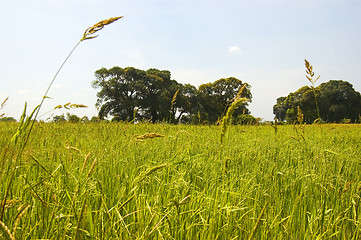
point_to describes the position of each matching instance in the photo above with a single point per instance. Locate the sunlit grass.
(97, 181)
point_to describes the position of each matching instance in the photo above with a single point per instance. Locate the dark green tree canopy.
(133, 93)
(130, 93)
(215, 97)
(337, 100)
(7, 119)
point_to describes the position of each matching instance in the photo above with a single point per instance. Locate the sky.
(261, 42)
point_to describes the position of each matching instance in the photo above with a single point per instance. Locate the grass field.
(99, 181)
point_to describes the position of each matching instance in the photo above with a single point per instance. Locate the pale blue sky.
(261, 42)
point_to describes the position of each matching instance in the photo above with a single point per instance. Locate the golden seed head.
(149, 135)
(299, 115)
(4, 102)
(174, 98)
(226, 119)
(96, 27)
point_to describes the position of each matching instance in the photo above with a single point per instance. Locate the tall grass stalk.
(2, 106)
(26, 124)
(172, 103)
(88, 34)
(310, 76)
(235, 103)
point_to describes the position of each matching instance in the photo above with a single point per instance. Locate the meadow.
(117, 181)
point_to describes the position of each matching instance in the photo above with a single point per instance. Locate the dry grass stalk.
(87, 35)
(258, 220)
(85, 161)
(91, 168)
(310, 73)
(135, 113)
(71, 106)
(174, 98)
(310, 76)
(240, 91)
(18, 219)
(67, 146)
(126, 202)
(3, 105)
(97, 27)
(9, 203)
(6, 232)
(149, 135)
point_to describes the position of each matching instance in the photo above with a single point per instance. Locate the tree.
(72, 118)
(156, 93)
(152, 95)
(279, 109)
(94, 119)
(59, 118)
(337, 100)
(246, 119)
(118, 91)
(7, 119)
(130, 92)
(186, 103)
(215, 97)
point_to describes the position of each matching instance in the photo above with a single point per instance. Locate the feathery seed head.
(88, 34)
(3, 103)
(310, 73)
(299, 115)
(174, 98)
(150, 135)
(226, 119)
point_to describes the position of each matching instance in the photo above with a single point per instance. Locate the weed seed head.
(89, 32)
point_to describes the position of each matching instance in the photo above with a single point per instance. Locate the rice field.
(160, 181)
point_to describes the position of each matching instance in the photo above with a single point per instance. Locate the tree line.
(134, 94)
(130, 94)
(337, 102)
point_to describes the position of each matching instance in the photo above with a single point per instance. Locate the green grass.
(186, 185)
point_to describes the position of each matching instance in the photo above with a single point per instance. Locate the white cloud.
(234, 49)
(22, 91)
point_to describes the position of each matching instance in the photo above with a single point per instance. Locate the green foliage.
(72, 118)
(216, 97)
(122, 91)
(336, 100)
(59, 118)
(150, 95)
(94, 119)
(7, 119)
(246, 119)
